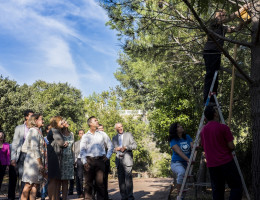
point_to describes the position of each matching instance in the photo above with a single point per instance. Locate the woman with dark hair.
(67, 161)
(181, 144)
(36, 152)
(55, 146)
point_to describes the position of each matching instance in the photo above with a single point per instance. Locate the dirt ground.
(144, 188)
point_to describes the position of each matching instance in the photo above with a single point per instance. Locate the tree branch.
(216, 42)
(257, 33)
(247, 44)
(230, 72)
(190, 55)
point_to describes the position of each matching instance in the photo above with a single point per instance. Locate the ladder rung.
(185, 190)
(202, 184)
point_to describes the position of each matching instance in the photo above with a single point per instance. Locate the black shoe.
(70, 193)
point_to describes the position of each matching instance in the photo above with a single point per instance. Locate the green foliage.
(49, 99)
(164, 168)
(10, 103)
(105, 107)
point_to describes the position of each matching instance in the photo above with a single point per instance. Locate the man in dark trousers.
(123, 144)
(217, 142)
(78, 167)
(93, 156)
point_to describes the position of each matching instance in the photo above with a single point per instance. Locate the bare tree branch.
(247, 44)
(230, 72)
(216, 42)
(235, 2)
(190, 55)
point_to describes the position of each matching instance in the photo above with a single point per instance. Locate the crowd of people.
(46, 161)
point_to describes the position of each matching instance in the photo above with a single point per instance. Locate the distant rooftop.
(131, 112)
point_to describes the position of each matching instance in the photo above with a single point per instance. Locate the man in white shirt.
(93, 156)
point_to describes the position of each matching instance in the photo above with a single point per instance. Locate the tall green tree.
(49, 99)
(172, 32)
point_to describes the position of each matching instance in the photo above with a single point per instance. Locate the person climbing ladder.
(211, 53)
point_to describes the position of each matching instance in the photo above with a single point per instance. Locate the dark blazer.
(130, 144)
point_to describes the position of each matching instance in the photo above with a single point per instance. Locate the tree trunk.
(255, 106)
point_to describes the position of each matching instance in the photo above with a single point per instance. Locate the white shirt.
(93, 145)
(120, 139)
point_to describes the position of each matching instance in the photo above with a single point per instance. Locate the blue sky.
(58, 41)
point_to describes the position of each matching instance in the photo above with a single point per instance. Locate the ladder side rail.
(193, 160)
(241, 175)
(197, 138)
(191, 157)
(233, 152)
(219, 110)
(211, 88)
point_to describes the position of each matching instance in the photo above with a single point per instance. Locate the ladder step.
(185, 190)
(199, 184)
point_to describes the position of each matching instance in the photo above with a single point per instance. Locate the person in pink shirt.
(4, 165)
(217, 142)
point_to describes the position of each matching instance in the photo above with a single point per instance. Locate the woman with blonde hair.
(55, 149)
(35, 148)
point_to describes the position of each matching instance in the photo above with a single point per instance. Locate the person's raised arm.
(236, 13)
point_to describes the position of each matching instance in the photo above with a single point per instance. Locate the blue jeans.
(226, 173)
(44, 191)
(178, 168)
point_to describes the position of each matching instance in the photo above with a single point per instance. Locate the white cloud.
(92, 10)
(47, 29)
(91, 74)
(57, 53)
